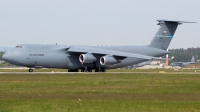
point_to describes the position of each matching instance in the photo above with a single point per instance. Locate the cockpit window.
(18, 46)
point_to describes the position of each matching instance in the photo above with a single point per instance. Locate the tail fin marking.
(165, 33)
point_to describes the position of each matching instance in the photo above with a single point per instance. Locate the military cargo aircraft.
(182, 64)
(88, 58)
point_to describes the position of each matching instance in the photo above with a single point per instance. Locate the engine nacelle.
(87, 58)
(108, 60)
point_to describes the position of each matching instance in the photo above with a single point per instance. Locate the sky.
(96, 22)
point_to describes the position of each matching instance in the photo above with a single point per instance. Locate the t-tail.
(165, 33)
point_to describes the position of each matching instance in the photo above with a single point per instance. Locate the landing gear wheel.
(76, 70)
(30, 70)
(103, 69)
(72, 70)
(89, 69)
(82, 69)
(96, 69)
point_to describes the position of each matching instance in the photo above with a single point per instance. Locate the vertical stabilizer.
(193, 60)
(165, 33)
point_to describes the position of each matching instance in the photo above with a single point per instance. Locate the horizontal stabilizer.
(179, 22)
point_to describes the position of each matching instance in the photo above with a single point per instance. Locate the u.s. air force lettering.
(36, 54)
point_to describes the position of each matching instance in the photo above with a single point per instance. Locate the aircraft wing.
(103, 52)
(178, 62)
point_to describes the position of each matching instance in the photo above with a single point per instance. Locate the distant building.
(1, 61)
(155, 62)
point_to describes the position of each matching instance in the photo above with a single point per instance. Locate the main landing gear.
(73, 70)
(89, 69)
(103, 69)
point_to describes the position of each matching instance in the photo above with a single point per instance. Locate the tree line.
(184, 55)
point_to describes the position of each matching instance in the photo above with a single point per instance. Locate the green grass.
(99, 92)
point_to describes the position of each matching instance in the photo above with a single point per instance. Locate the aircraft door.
(32, 60)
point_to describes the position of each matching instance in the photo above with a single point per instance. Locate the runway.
(160, 72)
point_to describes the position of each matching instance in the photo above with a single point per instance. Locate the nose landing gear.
(30, 70)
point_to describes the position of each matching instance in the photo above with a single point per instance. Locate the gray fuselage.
(56, 56)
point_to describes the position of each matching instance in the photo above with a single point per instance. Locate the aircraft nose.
(3, 57)
(6, 57)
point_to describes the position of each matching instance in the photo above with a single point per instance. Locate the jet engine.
(108, 60)
(87, 58)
